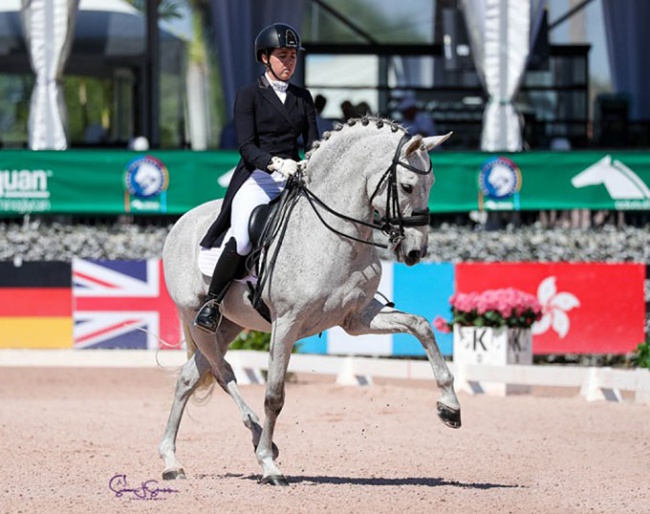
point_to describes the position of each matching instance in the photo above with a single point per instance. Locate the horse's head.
(595, 174)
(401, 197)
(373, 166)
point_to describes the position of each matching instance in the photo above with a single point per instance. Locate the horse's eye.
(407, 188)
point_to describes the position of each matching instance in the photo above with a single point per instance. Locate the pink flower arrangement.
(496, 308)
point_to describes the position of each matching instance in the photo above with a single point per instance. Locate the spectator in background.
(363, 109)
(95, 134)
(415, 121)
(139, 144)
(324, 124)
(348, 110)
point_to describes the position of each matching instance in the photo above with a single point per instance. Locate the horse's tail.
(207, 381)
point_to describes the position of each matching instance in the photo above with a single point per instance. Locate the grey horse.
(326, 273)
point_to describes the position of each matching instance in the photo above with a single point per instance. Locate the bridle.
(392, 223)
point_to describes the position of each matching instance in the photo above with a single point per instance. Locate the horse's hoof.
(449, 417)
(275, 480)
(174, 474)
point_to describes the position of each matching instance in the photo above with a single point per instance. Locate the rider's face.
(283, 62)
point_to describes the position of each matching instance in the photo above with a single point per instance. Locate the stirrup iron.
(206, 321)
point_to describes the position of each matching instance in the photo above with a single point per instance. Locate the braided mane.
(342, 127)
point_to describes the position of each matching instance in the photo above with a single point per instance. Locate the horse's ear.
(412, 146)
(431, 142)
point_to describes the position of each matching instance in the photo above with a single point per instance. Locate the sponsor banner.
(172, 181)
(123, 304)
(540, 180)
(588, 307)
(35, 305)
(111, 182)
(423, 289)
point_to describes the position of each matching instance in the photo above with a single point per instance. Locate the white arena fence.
(594, 383)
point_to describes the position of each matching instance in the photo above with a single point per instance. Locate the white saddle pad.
(208, 258)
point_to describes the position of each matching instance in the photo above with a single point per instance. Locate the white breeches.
(261, 187)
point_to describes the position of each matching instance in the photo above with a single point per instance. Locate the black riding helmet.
(278, 35)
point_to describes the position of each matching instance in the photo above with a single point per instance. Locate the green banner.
(172, 182)
(111, 182)
(616, 180)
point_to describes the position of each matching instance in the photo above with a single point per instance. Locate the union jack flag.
(123, 304)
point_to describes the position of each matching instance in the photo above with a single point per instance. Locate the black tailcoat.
(265, 128)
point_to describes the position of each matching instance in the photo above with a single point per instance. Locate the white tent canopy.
(108, 35)
(501, 37)
(48, 27)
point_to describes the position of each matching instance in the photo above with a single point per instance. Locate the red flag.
(588, 307)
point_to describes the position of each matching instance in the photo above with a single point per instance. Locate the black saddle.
(260, 217)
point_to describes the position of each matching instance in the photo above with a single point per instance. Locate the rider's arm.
(247, 135)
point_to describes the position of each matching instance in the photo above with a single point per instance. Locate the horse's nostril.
(413, 256)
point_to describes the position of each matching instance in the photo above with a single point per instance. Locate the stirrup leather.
(207, 317)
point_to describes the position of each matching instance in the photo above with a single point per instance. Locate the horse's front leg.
(378, 319)
(281, 345)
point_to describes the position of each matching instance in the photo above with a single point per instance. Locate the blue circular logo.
(499, 178)
(146, 177)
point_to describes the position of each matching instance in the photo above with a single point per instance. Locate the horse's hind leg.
(191, 373)
(377, 319)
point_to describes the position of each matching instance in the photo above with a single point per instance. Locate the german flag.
(36, 305)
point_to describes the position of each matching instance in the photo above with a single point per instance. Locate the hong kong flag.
(587, 307)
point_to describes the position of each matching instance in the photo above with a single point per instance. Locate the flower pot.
(492, 347)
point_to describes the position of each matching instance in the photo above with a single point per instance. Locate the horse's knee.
(422, 328)
(274, 401)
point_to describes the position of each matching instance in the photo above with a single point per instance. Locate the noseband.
(392, 223)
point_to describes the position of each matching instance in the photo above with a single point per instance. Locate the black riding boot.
(224, 271)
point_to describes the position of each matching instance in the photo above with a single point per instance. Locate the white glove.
(286, 167)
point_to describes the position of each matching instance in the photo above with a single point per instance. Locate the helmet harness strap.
(268, 66)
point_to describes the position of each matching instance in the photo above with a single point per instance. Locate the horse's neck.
(340, 184)
(342, 200)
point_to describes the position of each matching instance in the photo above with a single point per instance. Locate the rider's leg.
(224, 271)
(260, 188)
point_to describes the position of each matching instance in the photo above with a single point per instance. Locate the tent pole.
(152, 66)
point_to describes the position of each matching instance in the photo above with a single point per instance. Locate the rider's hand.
(302, 166)
(286, 167)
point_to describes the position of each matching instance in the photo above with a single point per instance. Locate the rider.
(270, 115)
